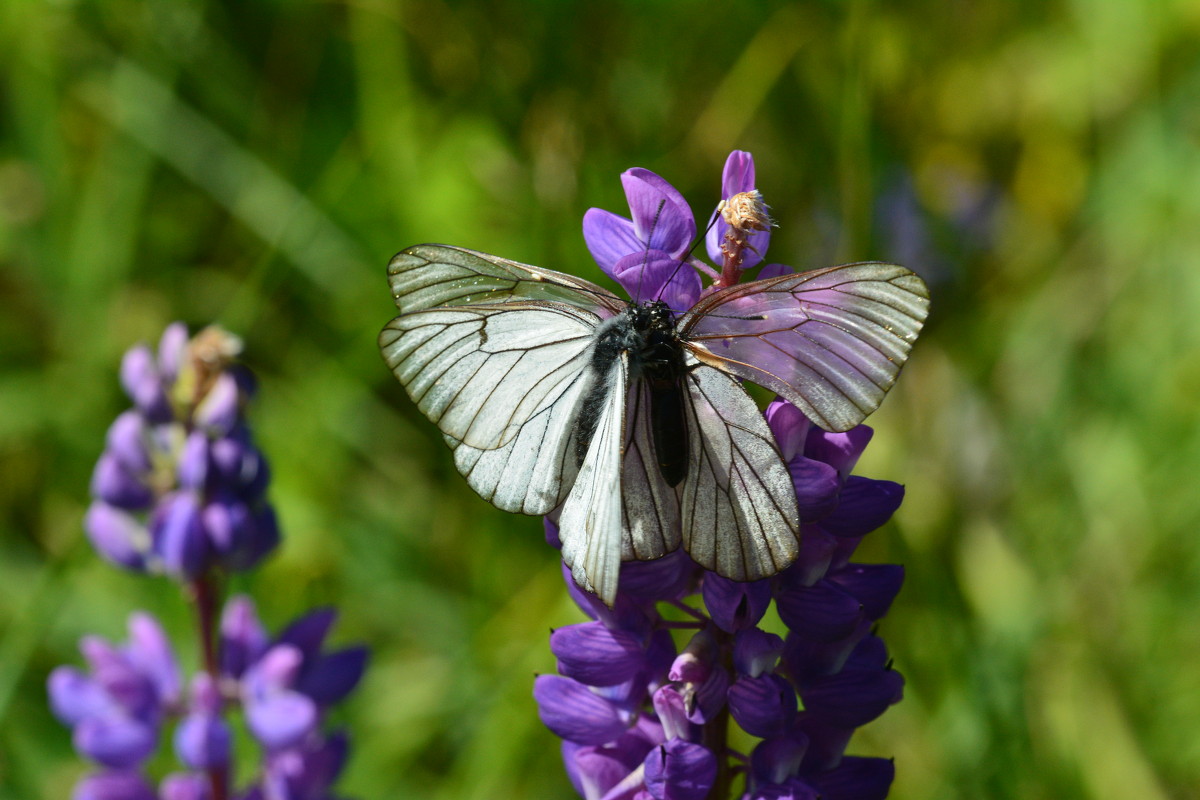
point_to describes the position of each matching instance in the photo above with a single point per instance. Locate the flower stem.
(206, 596)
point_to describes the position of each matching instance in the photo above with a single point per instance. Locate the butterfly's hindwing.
(739, 509)
(650, 503)
(590, 523)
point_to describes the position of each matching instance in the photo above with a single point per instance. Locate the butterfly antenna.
(637, 296)
(683, 260)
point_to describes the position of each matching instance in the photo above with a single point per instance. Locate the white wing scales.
(476, 371)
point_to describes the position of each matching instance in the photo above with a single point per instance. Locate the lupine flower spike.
(180, 490)
(642, 716)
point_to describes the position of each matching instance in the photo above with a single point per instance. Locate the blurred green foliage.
(257, 163)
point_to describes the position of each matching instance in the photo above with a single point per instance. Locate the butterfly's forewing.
(830, 341)
(590, 522)
(495, 353)
(437, 276)
(738, 502)
(482, 372)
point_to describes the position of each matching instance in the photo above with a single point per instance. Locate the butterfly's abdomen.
(661, 362)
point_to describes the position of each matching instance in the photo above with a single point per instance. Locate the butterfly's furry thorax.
(644, 333)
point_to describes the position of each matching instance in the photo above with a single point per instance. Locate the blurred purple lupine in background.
(180, 490)
(641, 718)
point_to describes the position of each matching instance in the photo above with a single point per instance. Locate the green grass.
(257, 163)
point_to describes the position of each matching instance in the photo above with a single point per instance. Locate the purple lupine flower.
(116, 709)
(737, 180)
(115, 785)
(180, 486)
(286, 684)
(643, 254)
(802, 696)
(305, 771)
(637, 724)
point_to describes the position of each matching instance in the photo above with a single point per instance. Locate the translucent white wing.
(739, 505)
(503, 383)
(590, 523)
(830, 341)
(437, 275)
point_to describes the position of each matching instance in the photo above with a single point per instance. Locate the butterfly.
(554, 392)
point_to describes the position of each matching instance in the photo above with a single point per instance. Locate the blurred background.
(257, 163)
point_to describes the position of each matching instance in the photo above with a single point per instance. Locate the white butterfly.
(551, 390)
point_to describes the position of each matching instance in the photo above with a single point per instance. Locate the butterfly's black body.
(646, 332)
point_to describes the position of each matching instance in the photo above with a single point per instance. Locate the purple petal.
(242, 636)
(817, 552)
(817, 487)
(192, 469)
(662, 219)
(671, 708)
(329, 678)
(789, 426)
(203, 741)
(680, 770)
(281, 719)
(655, 275)
(755, 652)
(665, 578)
(777, 759)
(74, 696)
(826, 743)
(126, 442)
(609, 238)
(113, 786)
(738, 174)
(595, 655)
(113, 483)
(139, 376)
(875, 585)
(151, 653)
(185, 786)
(277, 669)
(172, 348)
(774, 271)
(839, 450)
(597, 771)
(735, 605)
(573, 712)
(179, 536)
(870, 653)
(125, 684)
(696, 662)
(852, 697)
(628, 613)
(116, 535)
(864, 505)
(856, 778)
(762, 706)
(261, 539)
(115, 741)
(823, 612)
(737, 177)
(710, 697)
(308, 632)
(206, 695)
(808, 660)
